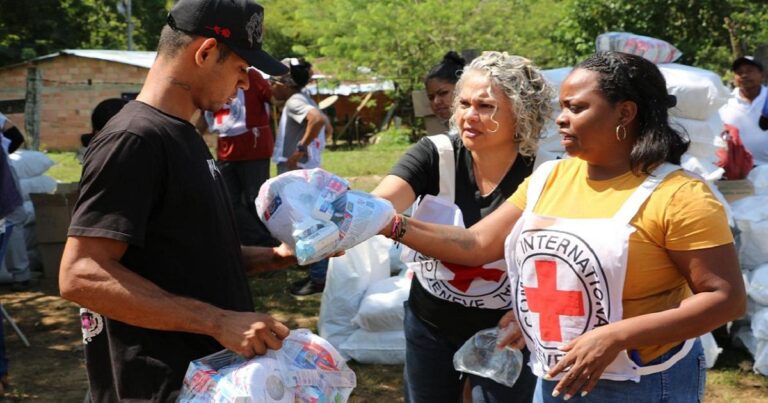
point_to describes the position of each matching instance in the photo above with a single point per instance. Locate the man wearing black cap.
(153, 255)
(744, 107)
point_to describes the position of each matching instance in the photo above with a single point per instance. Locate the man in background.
(244, 147)
(743, 108)
(300, 142)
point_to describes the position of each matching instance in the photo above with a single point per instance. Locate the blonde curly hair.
(529, 94)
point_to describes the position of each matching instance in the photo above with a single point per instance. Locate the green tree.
(30, 29)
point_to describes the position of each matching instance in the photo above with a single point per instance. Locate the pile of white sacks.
(751, 219)
(361, 312)
(30, 168)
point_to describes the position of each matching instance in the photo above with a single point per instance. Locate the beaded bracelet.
(398, 228)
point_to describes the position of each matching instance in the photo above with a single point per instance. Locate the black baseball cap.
(746, 60)
(237, 23)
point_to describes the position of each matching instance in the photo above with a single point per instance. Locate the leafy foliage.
(30, 29)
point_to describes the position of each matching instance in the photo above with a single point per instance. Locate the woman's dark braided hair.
(449, 69)
(625, 77)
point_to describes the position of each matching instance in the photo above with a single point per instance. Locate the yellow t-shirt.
(681, 214)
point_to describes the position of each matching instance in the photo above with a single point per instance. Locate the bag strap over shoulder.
(447, 165)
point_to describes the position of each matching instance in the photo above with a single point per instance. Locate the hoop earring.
(623, 135)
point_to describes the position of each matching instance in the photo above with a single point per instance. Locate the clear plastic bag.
(306, 369)
(479, 356)
(314, 212)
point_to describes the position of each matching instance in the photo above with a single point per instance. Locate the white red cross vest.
(567, 276)
(478, 287)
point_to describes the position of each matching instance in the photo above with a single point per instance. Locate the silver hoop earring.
(623, 135)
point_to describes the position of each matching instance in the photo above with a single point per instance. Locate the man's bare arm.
(91, 275)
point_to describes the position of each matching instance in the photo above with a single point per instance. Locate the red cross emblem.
(463, 276)
(551, 303)
(221, 114)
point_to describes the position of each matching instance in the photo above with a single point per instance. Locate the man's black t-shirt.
(150, 181)
(419, 167)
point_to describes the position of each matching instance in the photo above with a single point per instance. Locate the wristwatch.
(301, 148)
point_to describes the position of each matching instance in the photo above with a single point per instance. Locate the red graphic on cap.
(225, 32)
(551, 303)
(463, 276)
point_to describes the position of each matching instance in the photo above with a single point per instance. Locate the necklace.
(483, 182)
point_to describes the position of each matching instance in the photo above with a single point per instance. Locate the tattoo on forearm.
(461, 240)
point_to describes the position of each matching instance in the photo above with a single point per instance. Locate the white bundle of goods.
(700, 93)
(382, 306)
(711, 349)
(354, 284)
(348, 277)
(758, 176)
(29, 164)
(752, 220)
(306, 369)
(386, 347)
(760, 332)
(758, 285)
(315, 213)
(653, 49)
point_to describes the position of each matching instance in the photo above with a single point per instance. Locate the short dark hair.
(172, 41)
(300, 72)
(625, 77)
(449, 69)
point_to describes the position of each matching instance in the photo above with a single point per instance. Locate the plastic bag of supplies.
(315, 213)
(306, 369)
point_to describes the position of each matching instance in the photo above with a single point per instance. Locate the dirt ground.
(52, 368)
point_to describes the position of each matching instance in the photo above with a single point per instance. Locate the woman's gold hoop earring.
(623, 135)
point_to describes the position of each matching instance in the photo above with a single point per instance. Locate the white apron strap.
(537, 182)
(641, 194)
(447, 166)
(652, 369)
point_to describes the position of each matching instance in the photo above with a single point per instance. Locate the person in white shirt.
(744, 107)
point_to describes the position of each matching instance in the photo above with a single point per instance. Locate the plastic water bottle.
(479, 356)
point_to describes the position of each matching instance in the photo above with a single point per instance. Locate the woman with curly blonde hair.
(500, 106)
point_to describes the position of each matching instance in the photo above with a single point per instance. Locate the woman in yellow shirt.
(618, 259)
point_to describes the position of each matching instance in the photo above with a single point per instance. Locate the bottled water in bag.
(479, 356)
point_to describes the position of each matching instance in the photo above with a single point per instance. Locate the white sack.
(375, 347)
(37, 184)
(758, 286)
(759, 178)
(760, 324)
(347, 279)
(29, 163)
(700, 93)
(761, 357)
(711, 349)
(382, 306)
(752, 220)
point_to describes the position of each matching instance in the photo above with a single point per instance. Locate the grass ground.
(52, 369)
